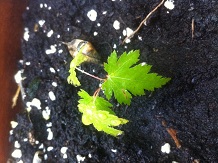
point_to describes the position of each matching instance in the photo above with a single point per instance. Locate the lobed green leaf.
(96, 111)
(125, 78)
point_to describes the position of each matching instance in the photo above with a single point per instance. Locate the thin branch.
(143, 21)
(93, 76)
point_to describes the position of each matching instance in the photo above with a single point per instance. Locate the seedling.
(124, 78)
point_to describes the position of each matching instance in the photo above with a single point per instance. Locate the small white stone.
(41, 22)
(65, 156)
(41, 5)
(17, 153)
(116, 25)
(45, 5)
(90, 155)
(28, 109)
(11, 132)
(26, 34)
(124, 32)
(114, 150)
(92, 15)
(18, 77)
(140, 38)
(16, 144)
(51, 50)
(127, 41)
(169, 4)
(50, 33)
(14, 124)
(58, 36)
(104, 12)
(37, 142)
(49, 124)
(60, 51)
(98, 24)
(28, 63)
(46, 114)
(54, 84)
(50, 148)
(45, 156)
(41, 146)
(51, 96)
(35, 102)
(143, 63)
(49, 8)
(165, 148)
(20, 161)
(129, 31)
(52, 69)
(64, 150)
(25, 139)
(50, 134)
(95, 33)
(80, 158)
(27, 8)
(115, 46)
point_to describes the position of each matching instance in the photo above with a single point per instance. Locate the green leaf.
(78, 59)
(96, 111)
(126, 78)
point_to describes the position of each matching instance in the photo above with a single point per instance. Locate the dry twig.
(143, 21)
(15, 97)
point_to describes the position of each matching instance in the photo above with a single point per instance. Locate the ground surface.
(188, 104)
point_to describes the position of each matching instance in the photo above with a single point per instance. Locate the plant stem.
(93, 76)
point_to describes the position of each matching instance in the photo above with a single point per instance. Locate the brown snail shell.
(87, 49)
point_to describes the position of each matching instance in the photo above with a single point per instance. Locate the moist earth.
(181, 43)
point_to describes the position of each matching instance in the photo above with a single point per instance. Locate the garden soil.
(181, 43)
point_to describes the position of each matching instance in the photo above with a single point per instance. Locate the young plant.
(124, 78)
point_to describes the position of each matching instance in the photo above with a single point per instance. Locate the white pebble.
(18, 77)
(92, 15)
(26, 34)
(11, 132)
(115, 46)
(41, 22)
(95, 33)
(80, 158)
(114, 150)
(60, 51)
(17, 153)
(50, 148)
(64, 150)
(58, 36)
(41, 146)
(14, 124)
(140, 38)
(41, 5)
(54, 84)
(98, 24)
(169, 4)
(65, 156)
(28, 63)
(51, 50)
(16, 144)
(51, 96)
(46, 114)
(50, 33)
(35, 102)
(104, 12)
(116, 25)
(52, 70)
(49, 8)
(49, 124)
(50, 134)
(129, 31)
(165, 148)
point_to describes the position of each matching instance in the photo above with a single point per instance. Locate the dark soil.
(188, 103)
